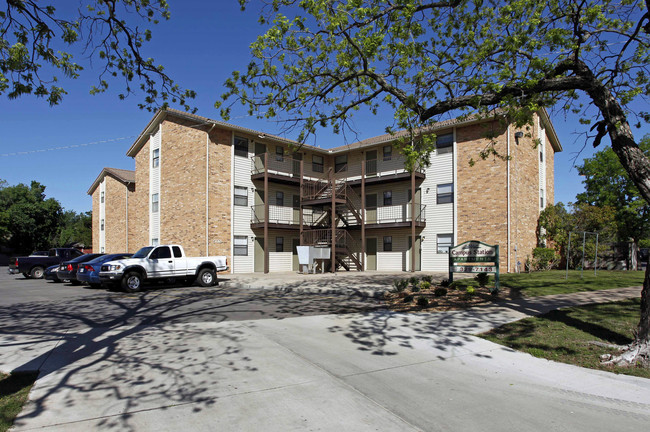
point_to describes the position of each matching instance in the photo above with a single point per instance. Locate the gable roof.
(161, 114)
(125, 177)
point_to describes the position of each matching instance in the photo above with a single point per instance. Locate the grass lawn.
(554, 282)
(564, 335)
(14, 389)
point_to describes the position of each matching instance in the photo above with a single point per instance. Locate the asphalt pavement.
(369, 370)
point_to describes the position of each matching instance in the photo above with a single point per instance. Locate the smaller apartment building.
(219, 189)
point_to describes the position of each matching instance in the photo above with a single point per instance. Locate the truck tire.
(206, 277)
(37, 272)
(132, 282)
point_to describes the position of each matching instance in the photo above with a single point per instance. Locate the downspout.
(207, 190)
(508, 195)
(126, 194)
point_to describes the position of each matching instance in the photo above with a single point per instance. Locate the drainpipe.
(508, 195)
(207, 190)
(127, 214)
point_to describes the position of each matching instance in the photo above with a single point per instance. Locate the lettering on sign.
(471, 254)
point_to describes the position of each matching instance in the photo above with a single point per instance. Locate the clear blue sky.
(65, 147)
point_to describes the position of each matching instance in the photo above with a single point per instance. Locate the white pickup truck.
(164, 262)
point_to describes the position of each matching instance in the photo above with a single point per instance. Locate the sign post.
(474, 257)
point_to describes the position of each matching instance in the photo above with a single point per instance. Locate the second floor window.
(101, 227)
(102, 197)
(279, 153)
(388, 198)
(241, 196)
(155, 158)
(154, 203)
(279, 199)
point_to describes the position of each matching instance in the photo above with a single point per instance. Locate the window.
(445, 141)
(101, 249)
(445, 193)
(388, 198)
(279, 153)
(101, 197)
(155, 158)
(317, 163)
(177, 252)
(101, 225)
(541, 198)
(154, 203)
(241, 147)
(444, 243)
(388, 152)
(241, 196)
(341, 163)
(388, 243)
(154, 242)
(541, 156)
(240, 246)
(161, 253)
(279, 244)
(279, 199)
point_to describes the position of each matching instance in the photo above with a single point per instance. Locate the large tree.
(28, 220)
(39, 45)
(321, 60)
(607, 184)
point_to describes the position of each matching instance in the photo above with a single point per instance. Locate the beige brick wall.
(139, 205)
(482, 188)
(183, 188)
(524, 188)
(220, 203)
(116, 214)
(95, 220)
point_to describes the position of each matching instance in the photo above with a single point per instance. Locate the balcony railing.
(311, 217)
(285, 165)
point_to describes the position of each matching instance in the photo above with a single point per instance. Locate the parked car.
(89, 271)
(50, 273)
(161, 263)
(68, 269)
(34, 266)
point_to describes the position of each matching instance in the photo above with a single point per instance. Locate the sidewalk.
(380, 371)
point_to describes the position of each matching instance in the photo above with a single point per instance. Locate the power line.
(66, 147)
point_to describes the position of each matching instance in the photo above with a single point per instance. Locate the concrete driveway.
(377, 371)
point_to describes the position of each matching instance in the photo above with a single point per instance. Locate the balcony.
(397, 216)
(284, 169)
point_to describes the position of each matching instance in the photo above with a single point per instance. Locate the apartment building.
(220, 189)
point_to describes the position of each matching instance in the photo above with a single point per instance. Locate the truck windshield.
(142, 253)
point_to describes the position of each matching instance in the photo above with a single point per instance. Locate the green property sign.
(474, 257)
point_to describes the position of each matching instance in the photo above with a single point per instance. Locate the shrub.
(482, 279)
(544, 259)
(453, 285)
(408, 299)
(425, 285)
(444, 283)
(427, 278)
(440, 292)
(415, 288)
(470, 290)
(414, 281)
(400, 285)
(422, 301)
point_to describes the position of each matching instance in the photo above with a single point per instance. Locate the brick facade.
(196, 181)
(482, 188)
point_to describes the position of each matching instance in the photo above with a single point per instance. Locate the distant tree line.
(29, 221)
(611, 205)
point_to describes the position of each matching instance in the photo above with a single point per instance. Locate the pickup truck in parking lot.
(34, 266)
(164, 262)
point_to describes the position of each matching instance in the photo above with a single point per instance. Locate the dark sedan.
(50, 273)
(89, 272)
(68, 269)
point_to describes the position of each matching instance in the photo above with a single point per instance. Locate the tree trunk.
(637, 166)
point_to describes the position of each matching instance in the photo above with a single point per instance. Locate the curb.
(363, 293)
